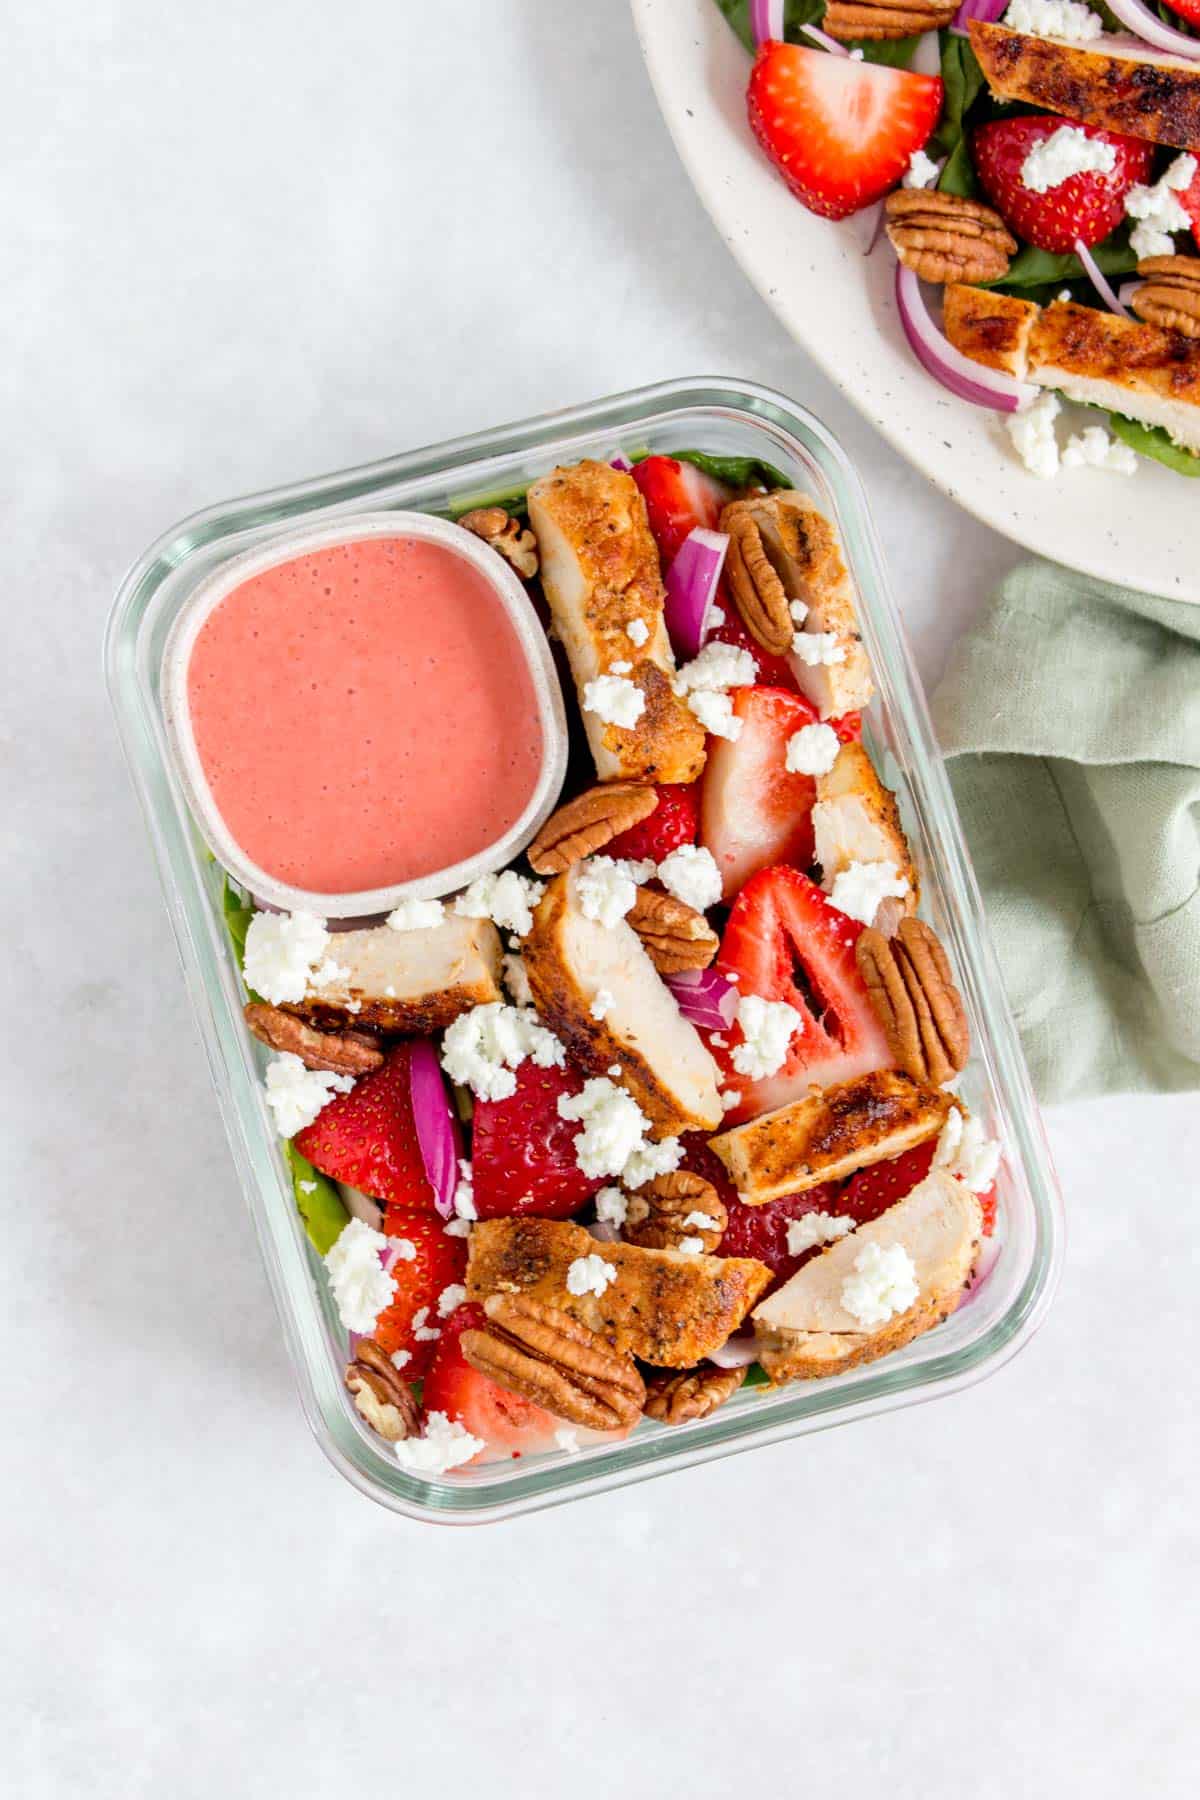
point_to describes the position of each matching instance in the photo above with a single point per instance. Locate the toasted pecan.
(1169, 295)
(339, 1052)
(754, 582)
(381, 1395)
(674, 935)
(550, 1358)
(947, 237)
(861, 20)
(588, 822)
(660, 1215)
(678, 1399)
(911, 988)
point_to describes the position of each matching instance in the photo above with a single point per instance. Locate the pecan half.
(341, 1052)
(945, 237)
(660, 1215)
(912, 990)
(674, 935)
(853, 20)
(381, 1395)
(585, 824)
(1170, 293)
(676, 1399)
(758, 593)
(514, 541)
(535, 1350)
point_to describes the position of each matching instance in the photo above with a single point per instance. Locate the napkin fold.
(1070, 719)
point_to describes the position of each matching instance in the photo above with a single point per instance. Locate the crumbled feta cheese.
(638, 869)
(1031, 429)
(361, 1286)
(508, 899)
(296, 1095)
(602, 1005)
(457, 1228)
(798, 610)
(858, 889)
(729, 1099)
(817, 647)
(690, 873)
(451, 1298)
(516, 980)
(443, 1445)
(702, 1220)
(1065, 20)
(1094, 448)
(282, 954)
(620, 668)
(590, 1275)
(922, 171)
(716, 616)
(717, 668)
(1063, 294)
(417, 915)
(401, 1359)
(403, 1250)
(567, 1438)
(1067, 151)
(637, 631)
(611, 1206)
(715, 712)
(604, 891)
(307, 1187)
(720, 1042)
(613, 1126)
(816, 1228)
(464, 1193)
(884, 1283)
(767, 1027)
(482, 1047)
(812, 750)
(964, 1150)
(614, 1071)
(615, 700)
(1157, 210)
(650, 1159)
(423, 1331)
(691, 1246)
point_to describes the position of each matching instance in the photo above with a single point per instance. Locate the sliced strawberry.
(367, 1138)
(785, 941)
(1187, 9)
(437, 1262)
(873, 1190)
(680, 499)
(673, 822)
(1189, 197)
(754, 814)
(523, 1154)
(840, 131)
(1088, 206)
(507, 1424)
(762, 1230)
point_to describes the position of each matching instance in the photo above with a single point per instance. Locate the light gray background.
(241, 244)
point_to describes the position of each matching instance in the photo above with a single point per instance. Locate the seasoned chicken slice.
(803, 1330)
(992, 329)
(830, 1134)
(601, 577)
(572, 963)
(668, 1308)
(414, 981)
(1120, 84)
(856, 819)
(803, 549)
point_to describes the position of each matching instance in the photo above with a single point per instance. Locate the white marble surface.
(245, 243)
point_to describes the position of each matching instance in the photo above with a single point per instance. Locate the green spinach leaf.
(897, 54)
(734, 471)
(964, 82)
(317, 1201)
(1152, 441)
(1033, 268)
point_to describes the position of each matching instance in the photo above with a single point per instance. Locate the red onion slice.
(969, 380)
(437, 1128)
(824, 40)
(621, 463)
(691, 586)
(986, 11)
(705, 998)
(737, 1352)
(766, 20)
(1127, 290)
(1151, 29)
(1098, 279)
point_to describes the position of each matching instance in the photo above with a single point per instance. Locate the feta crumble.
(1031, 429)
(884, 1283)
(602, 1005)
(717, 668)
(402, 1250)
(1066, 152)
(481, 1048)
(858, 889)
(361, 1286)
(507, 899)
(691, 1246)
(768, 1027)
(922, 171)
(417, 915)
(297, 1095)
(715, 712)
(516, 980)
(818, 647)
(638, 632)
(702, 1221)
(615, 700)
(464, 1193)
(816, 1228)
(650, 1159)
(620, 668)
(729, 1099)
(401, 1359)
(1065, 20)
(457, 1228)
(567, 1438)
(963, 1149)
(423, 1331)
(614, 1126)
(637, 868)
(282, 954)
(444, 1445)
(798, 610)
(611, 1206)
(690, 873)
(1095, 448)
(451, 1298)
(604, 890)
(1157, 211)
(812, 750)
(590, 1275)
(307, 1187)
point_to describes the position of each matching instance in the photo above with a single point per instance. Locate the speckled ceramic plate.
(837, 303)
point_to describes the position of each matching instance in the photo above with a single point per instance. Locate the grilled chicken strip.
(856, 819)
(1120, 84)
(601, 575)
(413, 981)
(803, 1331)
(570, 961)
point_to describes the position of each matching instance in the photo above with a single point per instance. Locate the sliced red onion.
(1127, 290)
(969, 380)
(437, 1129)
(986, 11)
(361, 1206)
(766, 20)
(603, 1231)
(824, 40)
(1098, 279)
(1151, 29)
(691, 586)
(876, 230)
(737, 1352)
(622, 463)
(704, 998)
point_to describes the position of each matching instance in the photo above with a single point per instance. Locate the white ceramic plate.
(1142, 530)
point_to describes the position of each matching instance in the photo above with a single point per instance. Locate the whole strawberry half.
(367, 1138)
(762, 1230)
(840, 131)
(673, 822)
(873, 1190)
(1087, 206)
(429, 1262)
(754, 812)
(523, 1154)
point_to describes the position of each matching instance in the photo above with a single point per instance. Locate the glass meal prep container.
(1021, 1263)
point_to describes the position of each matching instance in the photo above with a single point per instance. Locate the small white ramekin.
(538, 659)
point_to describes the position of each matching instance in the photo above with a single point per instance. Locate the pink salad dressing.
(364, 715)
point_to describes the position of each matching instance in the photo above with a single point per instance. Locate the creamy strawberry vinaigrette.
(364, 714)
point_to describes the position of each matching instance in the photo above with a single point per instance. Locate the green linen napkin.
(1070, 715)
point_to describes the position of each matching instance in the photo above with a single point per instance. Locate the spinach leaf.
(734, 471)
(898, 53)
(964, 82)
(756, 1376)
(317, 1201)
(511, 499)
(237, 910)
(1152, 441)
(1032, 268)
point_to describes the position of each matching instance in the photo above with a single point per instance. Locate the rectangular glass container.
(722, 417)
